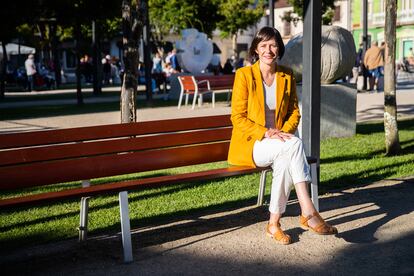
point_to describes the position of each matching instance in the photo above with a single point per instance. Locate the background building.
(376, 23)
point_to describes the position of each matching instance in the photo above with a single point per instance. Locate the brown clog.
(278, 235)
(322, 228)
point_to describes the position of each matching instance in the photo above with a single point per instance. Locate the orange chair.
(189, 86)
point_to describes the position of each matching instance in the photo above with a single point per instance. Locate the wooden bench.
(56, 156)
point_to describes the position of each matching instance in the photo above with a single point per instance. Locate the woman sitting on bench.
(265, 114)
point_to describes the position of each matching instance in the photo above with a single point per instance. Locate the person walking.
(265, 114)
(30, 67)
(374, 62)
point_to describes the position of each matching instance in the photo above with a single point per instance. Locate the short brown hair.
(265, 34)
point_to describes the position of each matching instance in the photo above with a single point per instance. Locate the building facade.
(288, 29)
(376, 22)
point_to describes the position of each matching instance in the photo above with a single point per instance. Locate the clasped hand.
(274, 133)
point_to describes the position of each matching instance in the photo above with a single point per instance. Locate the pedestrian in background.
(30, 66)
(374, 62)
(106, 68)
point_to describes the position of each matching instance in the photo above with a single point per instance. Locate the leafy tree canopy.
(327, 10)
(238, 15)
(174, 15)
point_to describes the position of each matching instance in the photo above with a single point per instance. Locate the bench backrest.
(54, 156)
(218, 81)
(188, 84)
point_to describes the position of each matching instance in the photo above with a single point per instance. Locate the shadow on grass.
(132, 197)
(371, 128)
(367, 156)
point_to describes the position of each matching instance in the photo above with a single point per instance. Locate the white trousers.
(288, 161)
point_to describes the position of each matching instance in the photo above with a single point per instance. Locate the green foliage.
(327, 10)
(174, 15)
(238, 15)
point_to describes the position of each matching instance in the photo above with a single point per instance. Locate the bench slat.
(221, 82)
(125, 185)
(109, 165)
(54, 152)
(15, 140)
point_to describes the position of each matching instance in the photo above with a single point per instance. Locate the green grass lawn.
(345, 162)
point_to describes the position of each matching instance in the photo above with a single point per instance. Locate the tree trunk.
(55, 53)
(3, 71)
(132, 30)
(79, 96)
(96, 59)
(147, 52)
(234, 45)
(392, 144)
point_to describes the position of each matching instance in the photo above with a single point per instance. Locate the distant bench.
(219, 83)
(49, 157)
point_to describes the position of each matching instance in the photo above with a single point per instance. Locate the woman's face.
(267, 51)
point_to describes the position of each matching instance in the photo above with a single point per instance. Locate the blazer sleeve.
(240, 104)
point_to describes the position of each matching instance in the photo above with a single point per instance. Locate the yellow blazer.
(248, 110)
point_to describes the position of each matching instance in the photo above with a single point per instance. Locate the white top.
(30, 67)
(270, 103)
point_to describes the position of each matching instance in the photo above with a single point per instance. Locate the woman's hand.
(274, 133)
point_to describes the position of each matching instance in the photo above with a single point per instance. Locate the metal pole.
(272, 13)
(311, 86)
(364, 39)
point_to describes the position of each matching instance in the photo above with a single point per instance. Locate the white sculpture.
(338, 54)
(195, 51)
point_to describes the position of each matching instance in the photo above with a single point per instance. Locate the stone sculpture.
(338, 54)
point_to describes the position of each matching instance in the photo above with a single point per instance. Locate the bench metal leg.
(195, 96)
(186, 99)
(213, 99)
(125, 226)
(83, 224)
(262, 187)
(84, 210)
(314, 186)
(200, 100)
(180, 100)
(229, 96)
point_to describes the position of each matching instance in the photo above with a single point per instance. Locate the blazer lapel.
(258, 85)
(280, 88)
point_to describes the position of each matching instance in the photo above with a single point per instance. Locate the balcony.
(403, 17)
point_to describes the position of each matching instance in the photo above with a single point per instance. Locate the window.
(382, 6)
(407, 5)
(337, 14)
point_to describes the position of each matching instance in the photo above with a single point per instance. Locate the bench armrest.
(205, 81)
